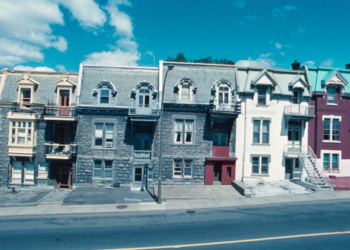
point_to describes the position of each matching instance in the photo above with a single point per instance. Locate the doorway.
(217, 172)
(143, 142)
(292, 169)
(64, 102)
(64, 177)
(294, 135)
(138, 175)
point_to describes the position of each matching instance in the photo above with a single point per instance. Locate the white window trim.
(229, 93)
(331, 152)
(183, 169)
(144, 99)
(103, 166)
(47, 173)
(20, 96)
(260, 166)
(183, 136)
(267, 95)
(23, 173)
(32, 137)
(331, 117)
(59, 88)
(190, 89)
(335, 98)
(261, 132)
(93, 131)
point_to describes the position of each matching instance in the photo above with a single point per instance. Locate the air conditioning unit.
(109, 144)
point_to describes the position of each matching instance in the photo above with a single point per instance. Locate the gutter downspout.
(245, 132)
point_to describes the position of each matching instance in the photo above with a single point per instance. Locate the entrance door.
(289, 169)
(64, 102)
(64, 177)
(138, 175)
(220, 137)
(217, 172)
(294, 136)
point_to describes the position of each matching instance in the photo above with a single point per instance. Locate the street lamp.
(159, 200)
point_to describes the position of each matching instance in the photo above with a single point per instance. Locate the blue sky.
(58, 35)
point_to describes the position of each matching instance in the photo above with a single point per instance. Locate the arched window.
(223, 93)
(185, 89)
(144, 97)
(104, 92)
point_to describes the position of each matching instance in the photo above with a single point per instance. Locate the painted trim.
(259, 155)
(261, 119)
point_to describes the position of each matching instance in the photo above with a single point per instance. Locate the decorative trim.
(259, 155)
(261, 118)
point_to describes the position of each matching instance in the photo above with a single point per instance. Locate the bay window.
(21, 133)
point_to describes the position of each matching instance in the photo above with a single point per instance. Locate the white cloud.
(265, 55)
(309, 63)
(260, 63)
(282, 12)
(87, 12)
(125, 53)
(282, 53)
(301, 29)
(278, 45)
(240, 3)
(28, 68)
(61, 68)
(327, 63)
(120, 20)
(149, 53)
(250, 17)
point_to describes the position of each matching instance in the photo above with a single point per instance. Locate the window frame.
(334, 95)
(261, 96)
(103, 169)
(25, 104)
(15, 126)
(182, 167)
(104, 123)
(333, 133)
(183, 131)
(328, 165)
(190, 91)
(144, 95)
(295, 99)
(258, 162)
(260, 132)
(47, 172)
(24, 172)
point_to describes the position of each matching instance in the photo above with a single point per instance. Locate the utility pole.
(159, 200)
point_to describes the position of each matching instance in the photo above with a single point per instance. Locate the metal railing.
(312, 156)
(230, 107)
(60, 149)
(296, 109)
(142, 154)
(55, 110)
(292, 149)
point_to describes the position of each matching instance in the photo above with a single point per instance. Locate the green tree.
(180, 57)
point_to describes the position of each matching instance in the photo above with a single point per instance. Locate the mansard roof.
(321, 76)
(124, 79)
(46, 88)
(282, 81)
(203, 77)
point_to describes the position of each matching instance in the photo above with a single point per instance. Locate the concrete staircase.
(315, 172)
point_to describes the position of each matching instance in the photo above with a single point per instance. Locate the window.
(331, 129)
(261, 96)
(220, 137)
(331, 161)
(25, 97)
(150, 173)
(185, 92)
(21, 133)
(295, 98)
(223, 95)
(331, 95)
(261, 131)
(43, 170)
(23, 172)
(104, 135)
(260, 165)
(144, 97)
(103, 169)
(104, 98)
(182, 168)
(183, 131)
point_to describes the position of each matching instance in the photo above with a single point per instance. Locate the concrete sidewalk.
(56, 209)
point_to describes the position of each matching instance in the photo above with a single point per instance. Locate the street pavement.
(189, 204)
(288, 225)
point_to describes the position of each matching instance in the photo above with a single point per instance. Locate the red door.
(227, 173)
(209, 174)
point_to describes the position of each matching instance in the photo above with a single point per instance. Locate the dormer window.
(185, 89)
(295, 98)
(26, 88)
(185, 92)
(144, 97)
(262, 96)
(104, 96)
(25, 97)
(223, 95)
(331, 95)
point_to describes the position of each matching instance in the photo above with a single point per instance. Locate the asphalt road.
(164, 228)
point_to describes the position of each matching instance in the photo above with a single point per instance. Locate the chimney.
(347, 66)
(231, 63)
(295, 65)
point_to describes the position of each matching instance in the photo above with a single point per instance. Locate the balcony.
(221, 151)
(291, 150)
(22, 150)
(234, 107)
(141, 155)
(60, 151)
(62, 113)
(298, 112)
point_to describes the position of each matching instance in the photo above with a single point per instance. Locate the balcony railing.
(142, 154)
(60, 150)
(228, 107)
(221, 151)
(292, 149)
(296, 109)
(54, 110)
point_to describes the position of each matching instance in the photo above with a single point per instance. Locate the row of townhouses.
(101, 126)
